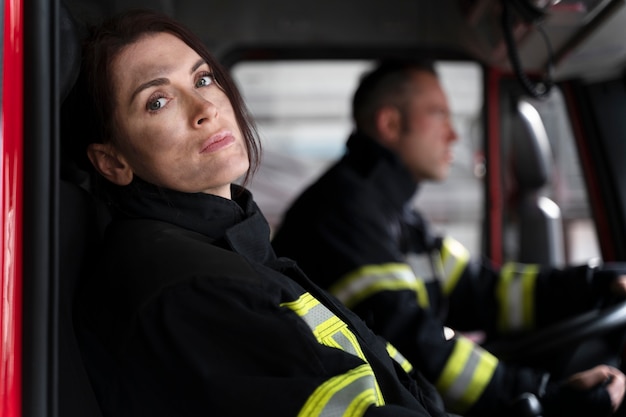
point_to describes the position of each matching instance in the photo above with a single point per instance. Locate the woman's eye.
(156, 104)
(205, 80)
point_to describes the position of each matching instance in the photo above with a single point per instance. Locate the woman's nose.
(204, 110)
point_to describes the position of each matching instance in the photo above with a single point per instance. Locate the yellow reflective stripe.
(344, 339)
(515, 294)
(352, 392)
(454, 258)
(349, 394)
(302, 305)
(371, 279)
(398, 357)
(328, 329)
(422, 293)
(467, 373)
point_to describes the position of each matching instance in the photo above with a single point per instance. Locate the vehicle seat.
(79, 233)
(540, 222)
(78, 239)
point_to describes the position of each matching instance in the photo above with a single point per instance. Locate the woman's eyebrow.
(151, 83)
(197, 65)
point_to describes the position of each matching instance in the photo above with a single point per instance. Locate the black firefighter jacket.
(189, 313)
(354, 234)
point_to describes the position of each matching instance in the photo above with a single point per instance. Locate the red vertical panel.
(11, 131)
(494, 187)
(596, 201)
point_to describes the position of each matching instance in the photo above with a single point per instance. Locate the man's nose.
(452, 135)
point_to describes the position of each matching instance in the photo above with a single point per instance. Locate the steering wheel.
(566, 336)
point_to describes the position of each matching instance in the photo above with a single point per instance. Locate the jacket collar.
(237, 223)
(381, 167)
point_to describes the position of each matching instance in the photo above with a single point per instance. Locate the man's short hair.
(384, 85)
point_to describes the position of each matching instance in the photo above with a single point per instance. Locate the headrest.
(531, 152)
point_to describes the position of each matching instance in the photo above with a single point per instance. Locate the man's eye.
(441, 113)
(205, 80)
(156, 104)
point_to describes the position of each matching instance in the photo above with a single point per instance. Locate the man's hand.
(602, 374)
(618, 286)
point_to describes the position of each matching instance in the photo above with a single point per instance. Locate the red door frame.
(494, 203)
(11, 168)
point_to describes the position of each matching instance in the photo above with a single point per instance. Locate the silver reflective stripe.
(315, 313)
(462, 381)
(346, 395)
(346, 344)
(514, 300)
(422, 266)
(467, 373)
(515, 293)
(328, 329)
(454, 258)
(371, 279)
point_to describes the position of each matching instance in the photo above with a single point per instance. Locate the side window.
(302, 110)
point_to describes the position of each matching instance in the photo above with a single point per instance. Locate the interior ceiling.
(586, 36)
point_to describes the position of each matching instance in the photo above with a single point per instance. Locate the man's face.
(426, 136)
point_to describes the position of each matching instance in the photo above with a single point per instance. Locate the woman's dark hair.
(107, 40)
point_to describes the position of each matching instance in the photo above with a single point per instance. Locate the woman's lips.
(217, 141)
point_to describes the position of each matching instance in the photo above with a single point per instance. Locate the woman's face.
(176, 126)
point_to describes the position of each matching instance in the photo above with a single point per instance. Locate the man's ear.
(109, 163)
(389, 125)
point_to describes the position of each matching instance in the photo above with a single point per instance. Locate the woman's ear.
(388, 125)
(109, 163)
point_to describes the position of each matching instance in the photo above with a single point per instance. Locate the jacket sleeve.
(516, 297)
(224, 348)
(471, 380)
(383, 289)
